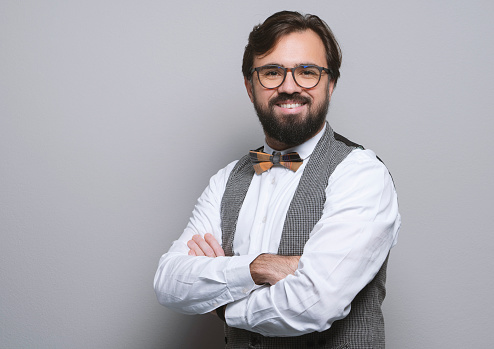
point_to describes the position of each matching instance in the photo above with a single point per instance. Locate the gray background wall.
(104, 106)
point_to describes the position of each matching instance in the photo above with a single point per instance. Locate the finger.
(194, 247)
(218, 250)
(204, 246)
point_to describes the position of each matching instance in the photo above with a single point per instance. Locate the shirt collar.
(304, 149)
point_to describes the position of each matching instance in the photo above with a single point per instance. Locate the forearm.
(197, 285)
(270, 268)
(264, 269)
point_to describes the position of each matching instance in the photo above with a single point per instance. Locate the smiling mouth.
(291, 105)
(290, 101)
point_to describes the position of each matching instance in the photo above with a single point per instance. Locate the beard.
(292, 130)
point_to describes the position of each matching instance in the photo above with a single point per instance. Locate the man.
(289, 252)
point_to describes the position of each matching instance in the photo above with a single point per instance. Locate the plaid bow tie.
(263, 162)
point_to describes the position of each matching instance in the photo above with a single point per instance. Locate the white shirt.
(346, 248)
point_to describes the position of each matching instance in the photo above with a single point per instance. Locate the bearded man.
(289, 244)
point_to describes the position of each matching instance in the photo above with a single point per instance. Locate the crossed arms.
(265, 269)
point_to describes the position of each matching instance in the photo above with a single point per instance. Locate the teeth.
(290, 106)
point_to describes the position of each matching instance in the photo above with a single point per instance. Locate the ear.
(331, 88)
(249, 87)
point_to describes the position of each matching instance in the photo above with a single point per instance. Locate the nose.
(289, 86)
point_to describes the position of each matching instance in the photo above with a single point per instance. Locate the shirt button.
(273, 180)
(264, 219)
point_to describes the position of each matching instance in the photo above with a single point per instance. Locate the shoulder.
(361, 165)
(362, 157)
(361, 181)
(219, 179)
(216, 187)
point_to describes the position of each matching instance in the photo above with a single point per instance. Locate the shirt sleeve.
(346, 249)
(198, 284)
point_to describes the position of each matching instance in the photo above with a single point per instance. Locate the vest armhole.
(348, 142)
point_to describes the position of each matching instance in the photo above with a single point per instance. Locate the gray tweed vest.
(363, 328)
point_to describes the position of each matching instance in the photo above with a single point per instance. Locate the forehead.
(293, 49)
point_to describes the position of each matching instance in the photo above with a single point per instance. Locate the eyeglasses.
(273, 76)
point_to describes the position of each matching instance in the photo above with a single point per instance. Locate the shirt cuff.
(238, 278)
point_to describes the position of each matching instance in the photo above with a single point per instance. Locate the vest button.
(226, 340)
(321, 342)
(310, 344)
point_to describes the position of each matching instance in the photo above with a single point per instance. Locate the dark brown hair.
(265, 36)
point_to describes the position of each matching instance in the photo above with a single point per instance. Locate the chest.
(262, 215)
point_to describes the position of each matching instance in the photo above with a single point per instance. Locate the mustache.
(294, 97)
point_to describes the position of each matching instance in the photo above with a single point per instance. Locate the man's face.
(290, 114)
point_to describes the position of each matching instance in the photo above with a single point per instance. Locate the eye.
(271, 72)
(307, 72)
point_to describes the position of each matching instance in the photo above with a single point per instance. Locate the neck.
(276, 145)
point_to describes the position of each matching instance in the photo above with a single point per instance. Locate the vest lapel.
(233, 198)
(308, 201)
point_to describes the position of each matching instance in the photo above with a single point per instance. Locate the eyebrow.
(296, 65)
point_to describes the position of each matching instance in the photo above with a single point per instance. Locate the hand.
(271, 268)
(207, 246)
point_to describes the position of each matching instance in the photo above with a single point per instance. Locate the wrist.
(260, 269)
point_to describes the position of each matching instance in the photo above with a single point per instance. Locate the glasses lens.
(307, 76)
(271, 76)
